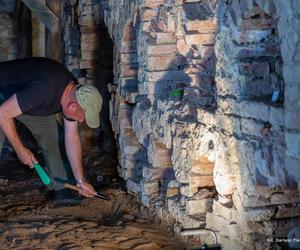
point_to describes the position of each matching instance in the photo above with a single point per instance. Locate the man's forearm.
(9, 129)
(74, 153)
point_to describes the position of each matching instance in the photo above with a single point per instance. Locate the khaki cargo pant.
(45, 130)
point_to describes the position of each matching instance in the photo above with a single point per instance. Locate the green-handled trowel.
(42, 174)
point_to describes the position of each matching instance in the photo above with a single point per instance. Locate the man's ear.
(73, 106)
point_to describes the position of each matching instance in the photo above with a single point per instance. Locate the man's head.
(82, 102)
(89, 98)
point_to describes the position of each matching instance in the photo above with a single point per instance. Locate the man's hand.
(26, 157)
(86, 189)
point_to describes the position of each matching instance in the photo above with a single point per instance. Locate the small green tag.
(177, 93)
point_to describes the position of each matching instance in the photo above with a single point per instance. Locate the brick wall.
(203, 110)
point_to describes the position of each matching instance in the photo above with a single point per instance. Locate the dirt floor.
(29, 221)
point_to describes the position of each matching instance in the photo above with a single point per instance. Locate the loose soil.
(29, 221)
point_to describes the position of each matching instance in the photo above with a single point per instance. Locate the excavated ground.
(29, 221)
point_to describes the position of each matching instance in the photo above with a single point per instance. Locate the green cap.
(91, 101)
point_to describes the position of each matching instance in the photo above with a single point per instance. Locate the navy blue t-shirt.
(38, 82)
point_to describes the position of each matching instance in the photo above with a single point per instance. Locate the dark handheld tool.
(75, 188)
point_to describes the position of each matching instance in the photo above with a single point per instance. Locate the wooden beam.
(53, 39)
(43, 13)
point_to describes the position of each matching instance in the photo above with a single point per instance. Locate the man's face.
(73, 112)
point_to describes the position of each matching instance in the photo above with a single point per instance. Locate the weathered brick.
(128, 71)
(250, 36)
(133, 186)
(158, 63)
(205, 39)
(198, 207)
(172, 192)
(201, 25)
(258, 24)
(150, 188)
(198, 180)
(129, 58)
(90, 37)
(202, 166)
(153, 3)
(158, 173)
(170, 49)
(148, 14)
(87, 64)
(165, 38)
(128, 46)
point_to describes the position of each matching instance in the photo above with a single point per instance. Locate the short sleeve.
(31, 96)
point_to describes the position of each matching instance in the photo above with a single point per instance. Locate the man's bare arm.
(74, 153)
(8, 111)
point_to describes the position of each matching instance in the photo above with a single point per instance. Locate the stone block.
(158, 63)
(165, 38)
(203, 39)
(89, 46)
(133, 186)
(148, 14)
(255, 110)
(276, 117)
(203, 26)
(167, 75)
(221, 210)
(218, 223)
(198, 207)
(174, 184)
(129, 58)
(129, 70)
(125, 117)
(198, 180)
(158, 155)
(172, 192)
(158, 173)
(87, 20)
(150, 188)
(292, 165)
(250, 36)
(292, 144)
(258, 24)
(287, 212)
(153, 3)
(169, 49)
(88, 55)
(87, 64)
(188, 191)
(202, 166)
(128, 46)
(258, 50)
(291, 118)
(146, 200)
(90, 37)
